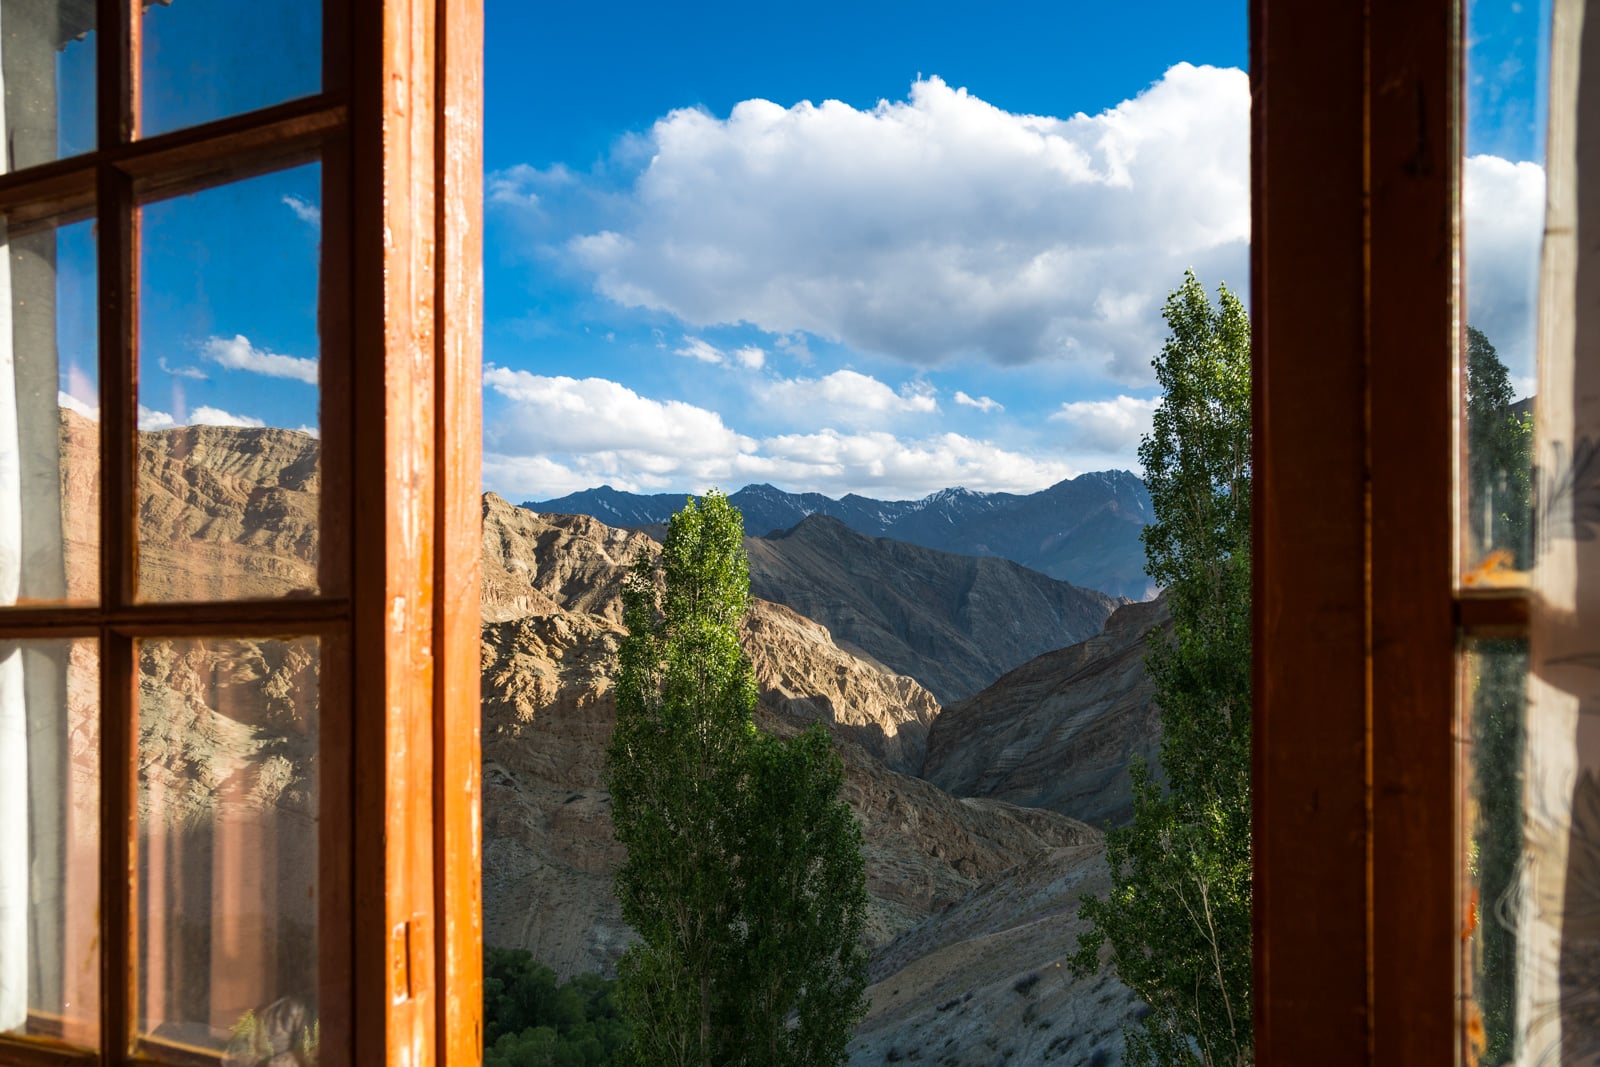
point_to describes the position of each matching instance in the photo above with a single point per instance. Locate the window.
(238, 695)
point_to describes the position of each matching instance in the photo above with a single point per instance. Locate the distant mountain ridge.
(1084, 530)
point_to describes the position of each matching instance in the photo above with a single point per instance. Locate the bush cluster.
(531, 1020)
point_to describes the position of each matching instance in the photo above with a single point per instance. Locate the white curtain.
(1559, 934)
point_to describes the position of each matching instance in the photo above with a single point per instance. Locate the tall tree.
(1177, 919)
(1500, 510)
(1499, 456)
(744, 877)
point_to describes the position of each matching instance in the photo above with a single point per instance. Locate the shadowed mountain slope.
(955, 623)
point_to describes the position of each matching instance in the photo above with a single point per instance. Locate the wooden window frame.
(398, 130)
(1359, 774)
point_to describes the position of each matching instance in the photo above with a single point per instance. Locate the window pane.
(1496, 677)
(49, 415)
(47, 62)
(1502, 225)
(50, 840)
(207, 59)
(227, 847)
(229, 460)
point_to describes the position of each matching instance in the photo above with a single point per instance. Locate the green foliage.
(1499, 457)
(744, 877)
(1500, 506)
(1177, 919)
(531, 1020)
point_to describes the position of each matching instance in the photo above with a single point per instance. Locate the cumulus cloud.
(205, 415)
(561, 414)
(1502, 204)
(941, 226)
(72, 403)
(1106, 425)
(306, 212)
(239, 354)
(984, 404)
(750, 357)
(151, 419)
(847, 397)
(564, 434)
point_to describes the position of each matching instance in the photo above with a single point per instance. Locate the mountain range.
(1084, 530)
(980, 829)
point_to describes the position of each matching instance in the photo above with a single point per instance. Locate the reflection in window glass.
(1502, 226)
(229, 464)
(49, 840)
(49, 415)
(207, 59)
(1496, 681)
(47, 64)
(227, 845)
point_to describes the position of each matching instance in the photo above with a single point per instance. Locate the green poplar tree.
(744, 877)
(1177, 919)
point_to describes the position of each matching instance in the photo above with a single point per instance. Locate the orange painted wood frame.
(1355, 286)
(415, 209)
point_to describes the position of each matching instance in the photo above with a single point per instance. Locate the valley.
(982, 812)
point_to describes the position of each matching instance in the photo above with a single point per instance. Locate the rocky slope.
(955, 623)
(1084, 530)
(973, 900)
(227, 512)
(1060, 731)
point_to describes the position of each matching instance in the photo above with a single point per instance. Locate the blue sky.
(878, 248)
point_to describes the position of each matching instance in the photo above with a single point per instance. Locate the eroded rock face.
(538, 564)
(227, 512)
(1060, 731)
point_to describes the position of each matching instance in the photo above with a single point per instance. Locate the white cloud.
(560, 414)
(240, 354)
(205, 415)
(984, 404)
(182, 372)
(884, 465)
(306, 212)
(941, 225)
(1503, 226)
(704, 351)
(72, 403)
(522, 185)
(1112, 426)
(847, 397)
(151, 419)
(749, 356)
(564, 434)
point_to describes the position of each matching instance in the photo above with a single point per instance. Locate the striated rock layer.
(1060, 731)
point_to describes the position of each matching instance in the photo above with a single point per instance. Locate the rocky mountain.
(955, 623)
(227, 511)
(1059, 731)
(1084, 530)
(973, 899)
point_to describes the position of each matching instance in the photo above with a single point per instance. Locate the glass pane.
(49, 415)
(50, 840)
(47, 63)
(229, 460)
(227, 846)
(207, 59)
(1496, 677)
(1502, 226)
